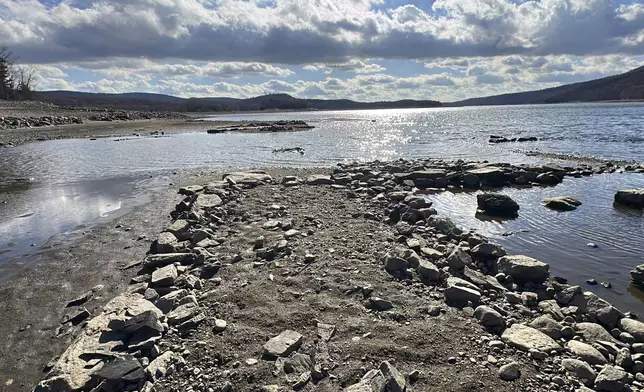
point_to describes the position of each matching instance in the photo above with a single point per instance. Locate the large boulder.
(523, 269)
(631, 197)
(611, 379)
(601, 311)
(562, 203)
(495, 204)
(526, 338)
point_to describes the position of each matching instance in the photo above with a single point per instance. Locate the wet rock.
(395, 381)
(562, 203)
(633, 327)
(496, 204)
(611, 379)
(523, 269)
(581, 369)
(637, 275)
(526, 338)
(164, 276)
(490, 318)
(489, 175)
(283, 344)
(510, 372)
(631, 197)
(586, 352)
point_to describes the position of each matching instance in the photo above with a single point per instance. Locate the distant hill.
(160, 102)
(626, 86)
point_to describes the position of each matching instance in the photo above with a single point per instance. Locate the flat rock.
(190, 190)
(523, 268)
(161, 260)
(164, 276)
(248, 176)
(460, 296)
(283, 344)
(319, 179)
(183, 313)
(592, 332)
(526, 338)
(207, 201)
(586, 352)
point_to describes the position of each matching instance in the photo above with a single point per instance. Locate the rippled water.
(561, 238)
(76, 182)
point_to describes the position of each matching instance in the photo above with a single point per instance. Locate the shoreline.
(321, 209)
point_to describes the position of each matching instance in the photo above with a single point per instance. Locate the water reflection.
(561, 238)
(37, 211)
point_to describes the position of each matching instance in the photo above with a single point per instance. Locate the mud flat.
(344, 280)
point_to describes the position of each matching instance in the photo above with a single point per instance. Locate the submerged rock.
(495, 204)
(562, 203)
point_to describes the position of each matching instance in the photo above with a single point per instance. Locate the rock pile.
(44, 121)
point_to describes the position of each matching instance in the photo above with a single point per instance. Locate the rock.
(586, 352)
(471, 181)
(220, 326)
(95, 341)
(80, 299)
(421, 178)
(148, 320)
(490, 318)
(458, 259)
(510, 372)
(489, 175)
(395, 382)
(631, 197)
(611, 379)
(592, 333)
(159, 366)
(581, 369)
(488, 251)
(428, 271)
(485, 281)
(166, 303)
(526, 338)
(547, 325)
(183, 313)
(637, 275)
(602, 311)
(166, 242)
(562, 203)
(379, 304)
(164, 259)
(395, 264)
(248, 176)
(208, 201)
(283, 344)
(301, 381)
(460, 296)
(550, 307)
(633, 327)
(164, 276)
(181, 229)
(319, 179)
(523, 269)
(496, 204)
(126, 368)
(190, 190)
(326, 331)
(372, 381)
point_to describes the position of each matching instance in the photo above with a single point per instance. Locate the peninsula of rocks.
(349, 281)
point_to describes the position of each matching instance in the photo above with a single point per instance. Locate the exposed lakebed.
(77, 183)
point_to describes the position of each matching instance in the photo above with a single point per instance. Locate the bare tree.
(7, 81)
(24, 82)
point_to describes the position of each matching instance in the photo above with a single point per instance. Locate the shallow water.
(562, 238)
(77, 183)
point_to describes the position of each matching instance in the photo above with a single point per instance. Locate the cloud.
(353, 65)
(316, 32)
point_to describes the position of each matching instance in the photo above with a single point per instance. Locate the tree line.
(16, 82)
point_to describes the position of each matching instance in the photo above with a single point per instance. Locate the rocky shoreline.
(347, 281)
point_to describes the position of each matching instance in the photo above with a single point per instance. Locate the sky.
(367, 50)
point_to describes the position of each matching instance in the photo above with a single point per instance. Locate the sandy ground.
(97, 129)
